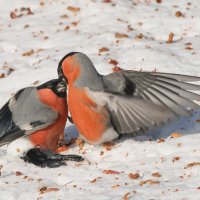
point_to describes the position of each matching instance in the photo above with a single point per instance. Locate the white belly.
(109, 135)
(19, 147)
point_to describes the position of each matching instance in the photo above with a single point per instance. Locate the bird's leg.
(61, 144)
(46, 158)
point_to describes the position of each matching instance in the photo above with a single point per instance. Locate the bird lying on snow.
(125, 102)
(33, 121)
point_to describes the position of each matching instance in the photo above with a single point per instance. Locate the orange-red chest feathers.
(48, 137)
(49, 98)
(71, 69)
(90, 120)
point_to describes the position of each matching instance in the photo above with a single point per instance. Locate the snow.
(19, 147)
(54, 30)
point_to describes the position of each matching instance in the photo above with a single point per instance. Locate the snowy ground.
(134, 34)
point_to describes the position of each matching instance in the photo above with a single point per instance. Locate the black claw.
(46, 158)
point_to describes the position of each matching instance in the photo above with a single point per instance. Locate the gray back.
(27, 109)
(89, 76)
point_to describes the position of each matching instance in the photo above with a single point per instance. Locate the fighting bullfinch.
(33, 121)
(125, 102)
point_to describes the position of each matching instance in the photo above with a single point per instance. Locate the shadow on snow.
(184, 125)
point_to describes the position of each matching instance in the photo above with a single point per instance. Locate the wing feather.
(145, 99)
(179, 77)
(129, 114)
(167, 90)
(24, 114)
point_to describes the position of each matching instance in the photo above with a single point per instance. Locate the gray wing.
(118, 83)
(129, 114)
(170, 91)
(23, 114)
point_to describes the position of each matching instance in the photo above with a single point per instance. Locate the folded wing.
(23, 114)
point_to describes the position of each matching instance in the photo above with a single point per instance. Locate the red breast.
(71, 69)
(48, 137)
(89, 119)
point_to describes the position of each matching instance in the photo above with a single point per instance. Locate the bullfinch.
(125, 102)
(32, 122)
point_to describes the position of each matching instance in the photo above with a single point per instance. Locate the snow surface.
(52, 31)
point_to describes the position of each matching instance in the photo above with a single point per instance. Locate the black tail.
(8, 130)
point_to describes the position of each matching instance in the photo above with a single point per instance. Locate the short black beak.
(62, 78)
(62, 87)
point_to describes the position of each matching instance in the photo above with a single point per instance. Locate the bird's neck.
(56, 103)
(89, 78)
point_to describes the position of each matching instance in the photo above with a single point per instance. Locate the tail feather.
(11, 136)
(8, 130)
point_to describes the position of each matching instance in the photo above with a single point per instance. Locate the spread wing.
(129, 114)
(171, 91)
(138, 100)
(23, 114)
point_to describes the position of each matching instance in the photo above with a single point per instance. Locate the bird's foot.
(46, 158)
